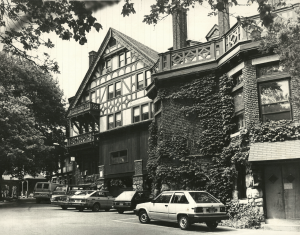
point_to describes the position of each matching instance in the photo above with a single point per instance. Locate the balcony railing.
(85, 107)
(81, 139)
(202, 52)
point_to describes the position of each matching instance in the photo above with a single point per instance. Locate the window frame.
(119, 153)
(108, 123)
(140, 110)
(124, 60)
(115, 119)
(239, 112)
(288, 79)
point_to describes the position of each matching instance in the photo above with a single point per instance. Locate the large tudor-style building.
(118, 99)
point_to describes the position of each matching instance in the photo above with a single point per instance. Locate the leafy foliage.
(274, 131)
(243, 216)
(32, 18)
(32, 118)
(170, 159)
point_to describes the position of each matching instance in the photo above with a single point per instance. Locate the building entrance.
(282, 188)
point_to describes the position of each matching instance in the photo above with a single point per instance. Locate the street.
(27, 217)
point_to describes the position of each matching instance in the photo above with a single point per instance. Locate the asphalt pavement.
(25, 217)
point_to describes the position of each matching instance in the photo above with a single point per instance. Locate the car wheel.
(64, 207)
(80, 209)
(184, 222)
(120, 211)
(143, 217)
(37, 200)
(212, 225)
(96, 207)
(107, 210)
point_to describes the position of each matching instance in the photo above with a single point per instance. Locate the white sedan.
(183, 207)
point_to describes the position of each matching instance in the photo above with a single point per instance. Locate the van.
(43, 191)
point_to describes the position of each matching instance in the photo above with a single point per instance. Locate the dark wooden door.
(291, 187)
(274, 193)
(282, 188)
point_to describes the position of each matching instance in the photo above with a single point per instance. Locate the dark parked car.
(128, 200)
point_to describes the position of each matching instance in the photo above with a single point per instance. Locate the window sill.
(235, 134)
(238, 87)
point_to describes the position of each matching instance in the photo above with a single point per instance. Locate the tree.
(27, 20)
(32, 118)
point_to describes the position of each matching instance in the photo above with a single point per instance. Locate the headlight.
(83, 200)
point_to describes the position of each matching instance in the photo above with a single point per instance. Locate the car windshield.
(127, 195)
(74, 192)
(61, 188)
(84, 192)
(203, 197)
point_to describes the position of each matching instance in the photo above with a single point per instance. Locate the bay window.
(274, 100)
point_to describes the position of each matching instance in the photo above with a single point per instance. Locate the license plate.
(121, 204)
(77, 200)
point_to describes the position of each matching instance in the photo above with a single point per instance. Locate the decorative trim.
(236, 69)
(265, 59)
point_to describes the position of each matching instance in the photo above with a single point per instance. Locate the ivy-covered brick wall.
(251, 108)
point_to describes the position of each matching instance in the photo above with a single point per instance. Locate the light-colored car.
(91, 199)
(183, 207)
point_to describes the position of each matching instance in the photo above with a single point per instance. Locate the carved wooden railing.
(202, 52)
(88, 106)
(81, 139)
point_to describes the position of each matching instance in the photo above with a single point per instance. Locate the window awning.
(269, 151)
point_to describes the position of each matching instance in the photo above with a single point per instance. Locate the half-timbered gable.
(111, 105)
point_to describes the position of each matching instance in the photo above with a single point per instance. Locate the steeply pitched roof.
(266, 151)
(211, 32)
(146, 54)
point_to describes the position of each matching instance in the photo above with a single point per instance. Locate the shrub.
(243, 216)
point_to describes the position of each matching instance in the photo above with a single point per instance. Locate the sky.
(72, 57)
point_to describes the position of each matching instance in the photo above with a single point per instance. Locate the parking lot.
(26, 217)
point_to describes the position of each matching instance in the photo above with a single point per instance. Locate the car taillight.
(198, 210)
(222, 209)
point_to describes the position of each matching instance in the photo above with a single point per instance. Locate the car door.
(110, 199)
(159, 208)
(102, 198)
(179, 203)
(92, 198)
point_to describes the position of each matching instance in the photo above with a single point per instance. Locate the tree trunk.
(1, 173)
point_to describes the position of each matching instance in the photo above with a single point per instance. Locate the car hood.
(79, 197)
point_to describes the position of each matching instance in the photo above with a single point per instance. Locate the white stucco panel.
(103, 123)
(127, 117)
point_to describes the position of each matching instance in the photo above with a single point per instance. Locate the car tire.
(107, 210)
(184, 222)
(120, 211)
(80, 209)
(37, 200)
(96, 207)
(212, 225)
(64, 207)
(143, 217)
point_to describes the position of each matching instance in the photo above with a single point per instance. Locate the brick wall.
(250, 93)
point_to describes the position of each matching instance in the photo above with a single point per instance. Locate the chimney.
(223, 20)
(179, 29)
(92, 56)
